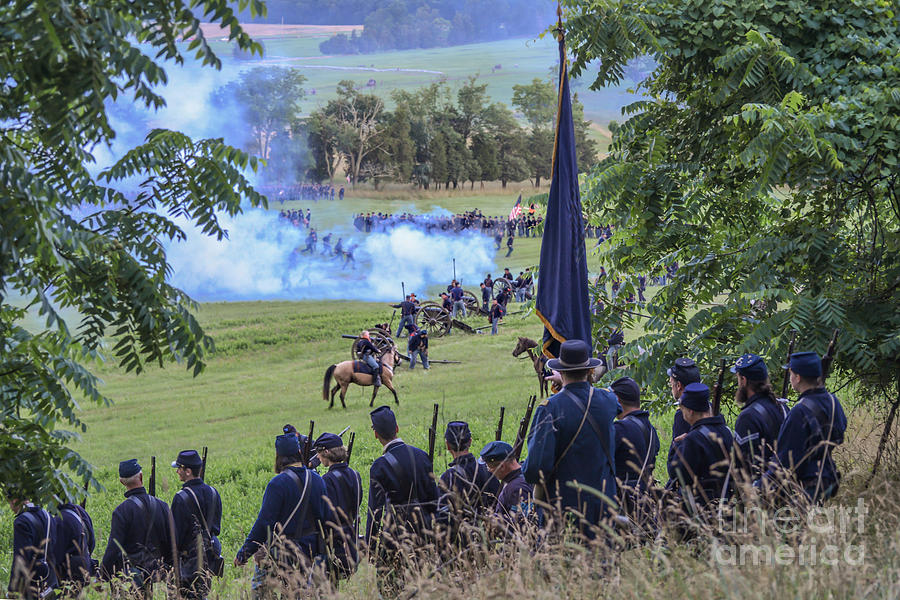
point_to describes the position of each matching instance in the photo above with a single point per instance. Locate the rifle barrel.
(307, 447)
(786, 380)
(432, 433)
(350, 446)
(524, 423)
(828, 359)
(720, 382)
(499, 433)
(152, 489)
(203, 463)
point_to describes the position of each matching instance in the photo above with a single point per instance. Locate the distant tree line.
(434, 137)
(399, 24)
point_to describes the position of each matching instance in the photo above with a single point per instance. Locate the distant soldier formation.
(590, 462)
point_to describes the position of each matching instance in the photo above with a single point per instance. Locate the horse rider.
(369, 352)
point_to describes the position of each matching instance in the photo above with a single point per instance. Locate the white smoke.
(261, 260)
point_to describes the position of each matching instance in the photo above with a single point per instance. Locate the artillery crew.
(343, 489)
(813, 427)
(197, 515)
(140, 534)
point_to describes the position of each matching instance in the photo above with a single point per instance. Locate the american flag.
(516, 211)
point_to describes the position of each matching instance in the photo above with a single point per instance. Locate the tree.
(763, 161)
(511, 142)
(440, 172)
(537, 102)
(359, 116)
(325, 143)
(71, 240)
(401, 147)
(268, 99)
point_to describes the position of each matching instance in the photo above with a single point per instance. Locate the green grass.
(268, 371)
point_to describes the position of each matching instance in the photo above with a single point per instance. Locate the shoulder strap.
(36, 523)
(592, 422)
(199, 510)
(584, 417)
(152, 513)
(820, 416)
(648, 433)
(82, 545)
(766, 417)
(298, 529)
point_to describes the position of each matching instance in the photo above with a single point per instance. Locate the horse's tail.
(326, 385)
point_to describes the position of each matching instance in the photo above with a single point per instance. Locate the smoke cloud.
(261, 260)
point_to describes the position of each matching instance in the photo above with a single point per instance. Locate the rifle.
(523, 428)
(499, 435)
(307, 445)
(350, 446)
(432, 434)
(786, 382)
(717, 391)
(828, 359)
(84, 500)
(152, 488)
(203, 463)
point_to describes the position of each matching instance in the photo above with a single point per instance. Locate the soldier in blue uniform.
(757, 426)
(74, 545)
(467, 487)
(699, 472)
(683, 373)
(343, 488)
(408, 310)
(197, 513)
(140, 534)
(637, 445)
(370, 355)
(288, 526)
(571, 440)
(401, 482)
(32, 575)
(513, 504)
(815, 425)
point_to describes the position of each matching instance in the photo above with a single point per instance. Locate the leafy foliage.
(763, 162)
(70, 240)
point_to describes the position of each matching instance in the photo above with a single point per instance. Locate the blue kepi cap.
(806, 364)
(129, 468)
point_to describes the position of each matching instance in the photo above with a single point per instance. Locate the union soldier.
(637, 445)
(402, 492)
(514, 500)
(288, 526)
(467, 486)
(485, 296)
(75, 544)
(140, 534)
(343, 488)
(700, 468)
(369, 352)
(495, 315)
(32, 575)
(811, 430)
(684, 372)
(407, 313)
(197, 513)
(756, 429)
(571, 440)
(456, 294)
(417, 345)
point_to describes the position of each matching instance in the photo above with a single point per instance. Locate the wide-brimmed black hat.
(573, 355)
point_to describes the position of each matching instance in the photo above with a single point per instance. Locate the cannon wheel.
(473, 305)
(433, 317)
(380, 338)
(501, 284)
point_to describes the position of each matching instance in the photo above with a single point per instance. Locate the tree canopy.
(70, 240)
(762, 160)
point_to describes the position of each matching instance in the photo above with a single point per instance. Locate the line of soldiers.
(589, 450)
(147, 538)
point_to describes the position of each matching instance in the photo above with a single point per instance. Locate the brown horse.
(539, 361)
(343, 374)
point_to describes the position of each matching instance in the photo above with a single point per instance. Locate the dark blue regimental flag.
(562, 295)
